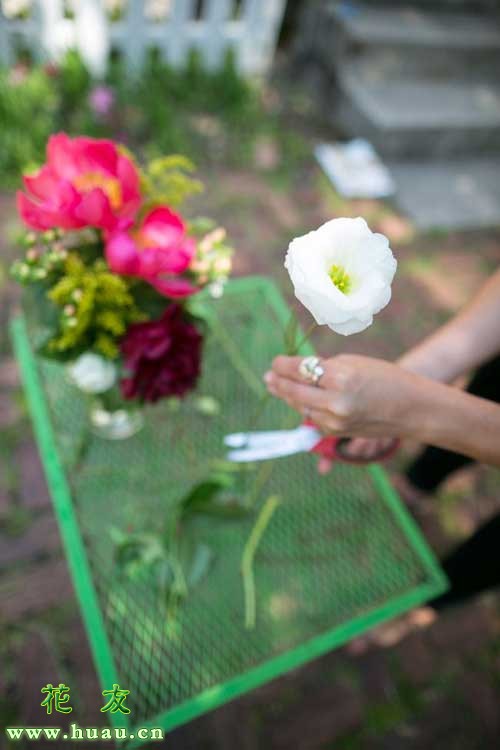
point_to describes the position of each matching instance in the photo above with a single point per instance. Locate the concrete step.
(409, 40)
(462, 194)
(415, 27)
(418, 117)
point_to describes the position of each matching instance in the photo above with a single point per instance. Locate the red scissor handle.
(332, 447)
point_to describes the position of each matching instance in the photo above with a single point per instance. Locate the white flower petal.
(92, 373)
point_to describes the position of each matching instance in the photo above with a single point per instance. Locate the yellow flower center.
(340, 278)
(110, 186)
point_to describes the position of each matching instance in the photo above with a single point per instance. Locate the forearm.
(450, 418)
(468, 340)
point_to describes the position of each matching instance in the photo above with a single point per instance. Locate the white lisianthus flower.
(92, 373)
(342, 272)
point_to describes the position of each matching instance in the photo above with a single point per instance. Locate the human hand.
(357, 396)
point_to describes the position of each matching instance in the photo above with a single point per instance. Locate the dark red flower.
(162, 357)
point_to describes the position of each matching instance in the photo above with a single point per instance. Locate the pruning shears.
(263, 446)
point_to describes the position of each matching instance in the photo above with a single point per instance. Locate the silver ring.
(310, 369)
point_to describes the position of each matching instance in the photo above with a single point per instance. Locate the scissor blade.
(263, 446)
(247, 455)
(256, 439)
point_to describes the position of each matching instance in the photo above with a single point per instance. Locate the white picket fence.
(48, 28)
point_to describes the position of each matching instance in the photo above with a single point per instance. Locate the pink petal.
(156, 260)
(163, 217)
(33, 215)
(121, 254)
(43, 184)
(61, 156)
(95, 210)
(47, 215)
(95, 155)
(176, 288)
(130, 184)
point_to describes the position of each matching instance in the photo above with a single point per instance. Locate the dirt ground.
(439, 688)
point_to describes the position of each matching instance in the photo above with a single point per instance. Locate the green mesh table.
(339, 556)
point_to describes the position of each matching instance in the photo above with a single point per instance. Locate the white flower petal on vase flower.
(92, 373)
(361, 263)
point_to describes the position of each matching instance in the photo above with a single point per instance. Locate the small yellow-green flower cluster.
(96, 307)
(45, 256)
(167, 180)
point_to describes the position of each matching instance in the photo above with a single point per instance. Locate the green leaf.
(201, 225)
(211, 498)
(203, 494)
(202, 557)
(164, 576)
(136, 551)
(200, 308)
(229, 508)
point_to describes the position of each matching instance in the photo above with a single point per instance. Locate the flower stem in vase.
(113, 419)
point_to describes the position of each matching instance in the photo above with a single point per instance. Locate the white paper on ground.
(355, 169)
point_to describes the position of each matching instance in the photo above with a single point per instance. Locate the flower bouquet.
(114, 266)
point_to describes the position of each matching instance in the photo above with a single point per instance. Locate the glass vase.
(112, 418)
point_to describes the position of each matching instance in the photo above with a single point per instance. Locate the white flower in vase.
(92, 373)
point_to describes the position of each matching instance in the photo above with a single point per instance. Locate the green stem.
(305, 338)
(247, 558)
(265, 397)
(261, 479)
(238, 361)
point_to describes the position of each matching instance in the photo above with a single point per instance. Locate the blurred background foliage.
(214, 117)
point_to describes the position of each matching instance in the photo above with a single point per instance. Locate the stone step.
(412, 41)
(412, 26)
(462, 194)
(418, 117)
(438, 63)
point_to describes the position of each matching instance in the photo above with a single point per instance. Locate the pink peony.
(85, 182)
(157, 251)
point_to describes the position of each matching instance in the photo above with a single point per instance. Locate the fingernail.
(268, 377)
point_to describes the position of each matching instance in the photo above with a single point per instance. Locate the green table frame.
(428, 581)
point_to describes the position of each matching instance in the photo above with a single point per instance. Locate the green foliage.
(175, 566)
(214, 115)
(74, 83)
(167, 180)
(213, 497)
(28, 111)
(175, 559)
(172, 556)
(43, 261)
(96, 307)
